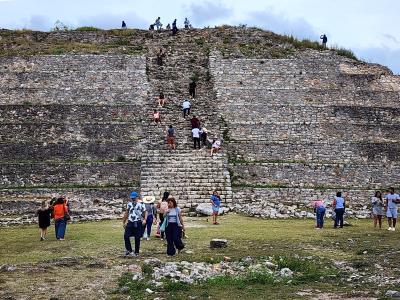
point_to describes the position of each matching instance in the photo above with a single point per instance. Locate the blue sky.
(369, 27)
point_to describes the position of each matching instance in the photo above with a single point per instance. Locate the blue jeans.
(60, 226)
(174, 238)
(339, 217)
(149, 223)
(320, 212)
(133, 229)
(186, 112)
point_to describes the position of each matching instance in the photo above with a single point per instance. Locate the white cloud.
(279, 23)
(381, 55)
(203, 13)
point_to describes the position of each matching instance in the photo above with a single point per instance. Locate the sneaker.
(130, 254)
(41, 239)
(393, 229)
(390, 229)
(147, 239)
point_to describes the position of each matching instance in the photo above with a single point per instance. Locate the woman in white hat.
(151, 215)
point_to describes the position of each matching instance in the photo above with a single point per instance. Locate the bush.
(87, 28)
(345, 52)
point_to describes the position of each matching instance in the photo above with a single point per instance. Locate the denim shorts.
(391, 213)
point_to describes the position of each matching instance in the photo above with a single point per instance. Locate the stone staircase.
(189, 175)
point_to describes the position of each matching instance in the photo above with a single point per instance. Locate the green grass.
(290, 243)
(88, 28)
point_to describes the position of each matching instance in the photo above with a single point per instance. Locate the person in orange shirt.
(60, 210)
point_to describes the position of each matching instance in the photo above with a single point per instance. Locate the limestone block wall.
(307, 127)
(71, 122)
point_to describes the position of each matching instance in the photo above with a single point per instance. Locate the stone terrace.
(303, 128)
(70, 125)
(297, 124)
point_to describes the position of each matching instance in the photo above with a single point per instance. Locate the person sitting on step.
(215, 147)
(161, 99)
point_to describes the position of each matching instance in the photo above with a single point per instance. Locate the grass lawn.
(89, 263)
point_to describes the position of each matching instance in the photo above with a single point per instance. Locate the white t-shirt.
(390, 198)
(186, 104)
(216, 144)
(196, 132)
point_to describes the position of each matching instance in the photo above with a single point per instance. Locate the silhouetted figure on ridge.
(174, 28)
(324, 40)
(123, 26)
(187, 23)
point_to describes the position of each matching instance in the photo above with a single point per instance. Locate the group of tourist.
(57, 209)
(199, 132)
(141, 214)
(380, 205)
(174, 28)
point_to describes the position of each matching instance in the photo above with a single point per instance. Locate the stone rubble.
(192, 272)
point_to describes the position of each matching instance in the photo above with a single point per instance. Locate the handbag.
(164, 224)
(67, 217)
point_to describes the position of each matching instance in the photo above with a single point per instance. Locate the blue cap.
(134, 195)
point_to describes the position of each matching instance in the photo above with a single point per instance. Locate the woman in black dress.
(44, 214)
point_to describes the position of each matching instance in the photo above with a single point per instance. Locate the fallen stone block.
(218, 243)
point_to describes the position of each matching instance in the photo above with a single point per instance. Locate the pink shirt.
(318, 203)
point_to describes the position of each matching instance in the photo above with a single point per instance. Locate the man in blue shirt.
(134, 218)
(392, 200)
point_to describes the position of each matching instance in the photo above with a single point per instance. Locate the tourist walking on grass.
(173, 227)
(319, 209)
(215, 200)
(162, 207)
(171, 137)
(196, 137)
(186, 108)
(377, 208)
(61, 216)
(151, 216)
(134, 218)
(44, 216)
(392, 200)
(339, 205)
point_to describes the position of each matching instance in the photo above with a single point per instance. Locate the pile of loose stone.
(195, 272)
(270, 210)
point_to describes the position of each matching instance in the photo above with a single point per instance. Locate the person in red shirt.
(60, 210)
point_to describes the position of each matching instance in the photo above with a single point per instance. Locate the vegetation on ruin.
(90, 260)
(231, 42)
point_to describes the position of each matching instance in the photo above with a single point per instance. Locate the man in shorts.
(392, 200)
(171, 137)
